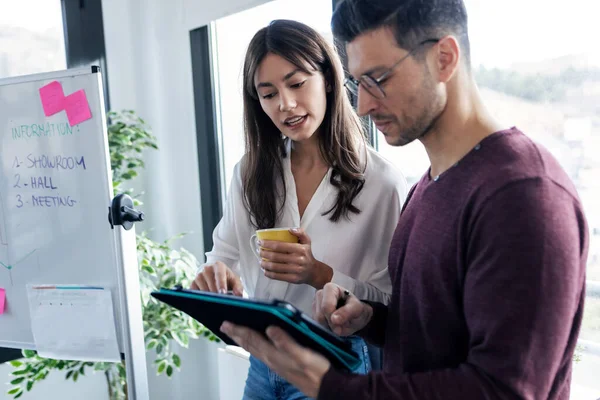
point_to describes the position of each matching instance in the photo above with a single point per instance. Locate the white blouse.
(356, 249)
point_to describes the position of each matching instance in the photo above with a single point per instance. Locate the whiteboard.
(55, 190)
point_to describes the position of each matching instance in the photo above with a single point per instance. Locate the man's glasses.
(372, 85)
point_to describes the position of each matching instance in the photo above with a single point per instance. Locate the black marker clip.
(121, 212)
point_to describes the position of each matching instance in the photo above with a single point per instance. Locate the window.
(545, 81)
(233, 34)
(31, 42)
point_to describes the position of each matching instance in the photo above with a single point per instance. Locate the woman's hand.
(218, 278)
(294, 262)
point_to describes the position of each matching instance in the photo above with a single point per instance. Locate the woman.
(306, 165)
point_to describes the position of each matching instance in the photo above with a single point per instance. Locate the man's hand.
(353, 316)
(294, 262)
(218, 278)
(301, 367)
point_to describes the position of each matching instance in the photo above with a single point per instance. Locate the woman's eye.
(297, 85)
(268, 96)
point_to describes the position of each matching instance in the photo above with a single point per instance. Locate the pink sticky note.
(2, 300)
(53, 98)
(77, 107)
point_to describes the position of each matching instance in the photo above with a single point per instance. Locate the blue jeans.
(264, 384)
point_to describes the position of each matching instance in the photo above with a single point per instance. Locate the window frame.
(207, 115)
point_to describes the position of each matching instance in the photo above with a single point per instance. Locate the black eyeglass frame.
(369, 83)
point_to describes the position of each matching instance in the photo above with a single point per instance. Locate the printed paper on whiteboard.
(73, 322)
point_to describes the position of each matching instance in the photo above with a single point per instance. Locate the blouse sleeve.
(388, 203)
(225, 241)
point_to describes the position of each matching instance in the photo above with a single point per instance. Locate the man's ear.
(448, 55)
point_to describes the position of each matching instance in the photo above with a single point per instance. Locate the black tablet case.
(212, 309)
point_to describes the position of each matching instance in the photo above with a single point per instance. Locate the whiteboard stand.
(72, 242)
(134, 345)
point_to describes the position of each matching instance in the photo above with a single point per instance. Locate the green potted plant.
(161, 265)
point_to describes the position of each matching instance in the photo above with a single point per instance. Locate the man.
(488, 260)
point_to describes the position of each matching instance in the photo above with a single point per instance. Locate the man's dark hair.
(412, 21)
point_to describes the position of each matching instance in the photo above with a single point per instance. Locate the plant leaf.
(161, 367)
(29, 353)
(20, 372)
(122, 371)
(151, 344)
(17, 381)
(176, 360)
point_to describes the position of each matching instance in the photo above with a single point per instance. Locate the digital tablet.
(211, 310)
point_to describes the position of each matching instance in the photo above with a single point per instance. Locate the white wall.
(201, 12)
(90, 387)
(149, 71)
(197, 380)
(148, 58)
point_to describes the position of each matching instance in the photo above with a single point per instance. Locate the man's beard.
(432, 105)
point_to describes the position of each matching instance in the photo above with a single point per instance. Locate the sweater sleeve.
(374, 332)
(523, 298)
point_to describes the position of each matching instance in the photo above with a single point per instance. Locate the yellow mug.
(275, 234)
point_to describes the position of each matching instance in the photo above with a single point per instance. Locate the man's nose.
(366, 103)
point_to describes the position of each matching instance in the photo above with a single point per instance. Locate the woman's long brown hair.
(340, 138)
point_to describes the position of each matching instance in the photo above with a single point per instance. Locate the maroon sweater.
(488, 271)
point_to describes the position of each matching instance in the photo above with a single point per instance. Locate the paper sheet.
(77, 107)
(2, 300)
(53, 98)
(54, 101)
(73, 322)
